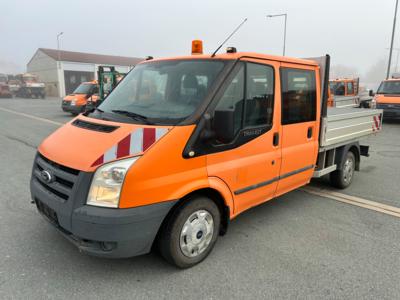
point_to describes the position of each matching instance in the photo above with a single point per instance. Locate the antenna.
(237, 28)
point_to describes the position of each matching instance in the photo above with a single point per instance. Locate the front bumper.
(106, 232)
(75, 109)
(390, 110)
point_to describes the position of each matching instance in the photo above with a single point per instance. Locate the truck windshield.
(389, 87)
(165, 92)
(337, 88)
(83, 88)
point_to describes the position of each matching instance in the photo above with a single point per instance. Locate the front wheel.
(343, 178)
(191, 232)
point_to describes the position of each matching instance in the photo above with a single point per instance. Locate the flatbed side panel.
(346, 101)
(347, 124)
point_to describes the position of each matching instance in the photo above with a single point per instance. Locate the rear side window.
(350, 88)
(298, 96)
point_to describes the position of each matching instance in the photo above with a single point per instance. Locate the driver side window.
(233, 98)
(250, 94)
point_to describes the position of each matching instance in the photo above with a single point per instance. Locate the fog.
(355, 33)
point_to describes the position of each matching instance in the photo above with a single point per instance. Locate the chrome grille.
(62, 178)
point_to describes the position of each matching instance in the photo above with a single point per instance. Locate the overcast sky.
(355, 33)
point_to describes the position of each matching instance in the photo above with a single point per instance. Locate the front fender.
(214, 183)
(219, 185)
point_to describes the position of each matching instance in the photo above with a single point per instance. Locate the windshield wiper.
(132, 115)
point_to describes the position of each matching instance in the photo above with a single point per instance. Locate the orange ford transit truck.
(347, 92)
(76, 102)
(387, 97)
(185, 144)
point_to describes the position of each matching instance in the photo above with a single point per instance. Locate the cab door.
(250, 164)
(300, 108)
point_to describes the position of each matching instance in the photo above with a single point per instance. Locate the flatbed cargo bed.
(343, 125)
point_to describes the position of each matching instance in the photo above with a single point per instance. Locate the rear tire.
(190, 233)
(343, 178)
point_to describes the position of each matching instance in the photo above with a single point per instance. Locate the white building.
(63, 71)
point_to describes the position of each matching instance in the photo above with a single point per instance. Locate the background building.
(63, 71)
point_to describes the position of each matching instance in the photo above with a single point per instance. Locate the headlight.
(107, 183)
(73, 102)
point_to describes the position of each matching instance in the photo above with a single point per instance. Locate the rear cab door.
(300, 126)
(250, 164)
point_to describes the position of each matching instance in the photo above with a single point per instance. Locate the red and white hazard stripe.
(136, 142)
(376, 125)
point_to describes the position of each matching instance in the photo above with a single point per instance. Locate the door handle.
(275, 140)
(309, 132)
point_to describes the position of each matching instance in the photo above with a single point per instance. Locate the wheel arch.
(218, 192)
(341, 154)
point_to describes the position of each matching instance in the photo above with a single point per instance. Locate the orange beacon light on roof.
(197, 47)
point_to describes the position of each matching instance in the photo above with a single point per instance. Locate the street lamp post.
(284, 33)
(58, 45)
(58, 63)
(397, 57)
(391, 43)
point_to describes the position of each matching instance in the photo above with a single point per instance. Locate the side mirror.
(224, 125)
(371, 93)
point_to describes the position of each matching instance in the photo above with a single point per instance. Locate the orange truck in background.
(387, 97)
(346, 92)
(29, 86)
(185, 144)
(76, 102)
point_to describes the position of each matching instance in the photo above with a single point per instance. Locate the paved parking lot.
(297, 246)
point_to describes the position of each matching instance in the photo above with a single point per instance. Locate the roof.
(238, 55)
(392, 79)
(91, 57)
(343, 79)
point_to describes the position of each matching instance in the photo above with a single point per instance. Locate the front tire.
(190, 233)
(343, 178)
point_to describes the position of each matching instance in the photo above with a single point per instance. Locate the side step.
(320, 173)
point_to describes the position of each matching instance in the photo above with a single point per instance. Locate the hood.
(71, 97)
(392, 99)
(80, 99)
(86, 143)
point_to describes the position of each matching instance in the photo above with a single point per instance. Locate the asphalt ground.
(299, 245)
